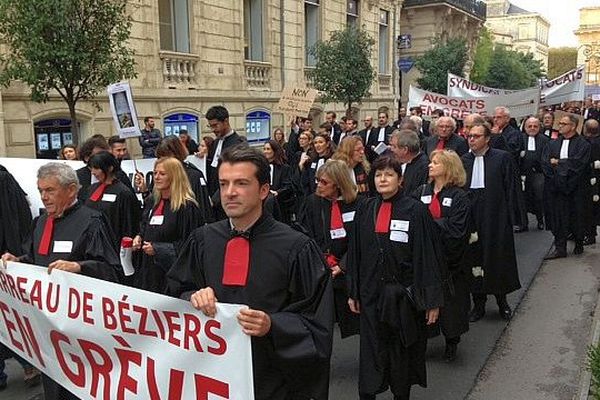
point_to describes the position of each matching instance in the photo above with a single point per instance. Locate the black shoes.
(450, 352)
(3, 385)
(578, 249)
(555, 254)
(505, 312)
(476, 314)
(589, 240)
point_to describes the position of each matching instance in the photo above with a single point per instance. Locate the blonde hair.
(181, 191)
(339, 173)
(345, 152)
(454, 171)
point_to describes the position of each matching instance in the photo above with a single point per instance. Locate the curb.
(585, 381)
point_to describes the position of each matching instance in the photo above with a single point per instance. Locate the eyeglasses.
(471, 136)
(323, 182)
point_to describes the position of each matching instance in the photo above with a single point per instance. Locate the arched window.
(258, 126)
(51, 135)
(176, 122)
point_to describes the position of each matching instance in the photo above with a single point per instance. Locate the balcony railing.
(179, 68)
(473, 7)
(258, 74)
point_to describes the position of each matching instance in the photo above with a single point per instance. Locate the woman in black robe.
(323, 152)
(169, 216)
(351, 150)
(328, 216)
(450, 208)
(111, 197)
(396, 271)
(282, 194)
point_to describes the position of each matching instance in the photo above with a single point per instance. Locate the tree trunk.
(74, 126)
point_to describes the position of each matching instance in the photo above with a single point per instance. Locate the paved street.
(537, 356)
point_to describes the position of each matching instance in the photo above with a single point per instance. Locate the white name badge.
(593, 181)
(349, 216)
(202, 182)
(313, 165)
(399, 236)
(399, 225)
(338, 233)
(62, 246)
(426, 199)
(157, 220)
(447, 202)
(111, 198)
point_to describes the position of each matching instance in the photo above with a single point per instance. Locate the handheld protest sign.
(122, 109)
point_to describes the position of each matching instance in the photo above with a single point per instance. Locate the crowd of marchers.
(398, 232)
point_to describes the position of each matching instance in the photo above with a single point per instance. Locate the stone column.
(2, 130)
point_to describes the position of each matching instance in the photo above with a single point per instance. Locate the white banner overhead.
(106, 341)
(521, 103)
(568, 87)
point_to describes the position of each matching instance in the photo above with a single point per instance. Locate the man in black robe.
(406, 147)
(531, 168)
(491, 255)
(446, 138)
(591, 131)
(566, 167)
(283, 280)
(547, 128)
(335, 129)
(69, 237)
(366, 136)
(514, 143)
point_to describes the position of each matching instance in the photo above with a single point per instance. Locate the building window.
(174, 24)
(258, 126)
(51, 135)
(174, 123)
(523, 31)
(311, 29)
(253, 30)
(384, 17)
(352, 13)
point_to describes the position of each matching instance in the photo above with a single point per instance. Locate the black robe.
(498, 142)
(513, 140)
(121, 208)
(92, 247)
(392, 328)
(282, 184)
(454, 230)
(416, 173)
(84, 175)
(288, 280)
(494, 251)
(531, 168)
(567, 186)
(308, 175)
(315, 217)
(593, 208)
(211, 172)
(15, 214)
(454, 142)
(166, 240)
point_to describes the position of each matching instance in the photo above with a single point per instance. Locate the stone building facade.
(528, 31)
(192, 54)
(588, 35)
(425, 20)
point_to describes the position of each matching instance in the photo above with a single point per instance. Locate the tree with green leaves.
(74, 47)
(483, 56)
(513, 70)
(435, 64)
(561, 60)
(343, 72)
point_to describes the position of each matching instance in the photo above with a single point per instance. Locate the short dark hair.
(87, 148)
(183, 132)
(171, 146)
(146, 119)
(332, 113)
(439, 112)
(104, 161)
(391, 162)
(219, 113)
(487, 130)
(278, 151)
(244, 153)
(417, 109)
(116, 139)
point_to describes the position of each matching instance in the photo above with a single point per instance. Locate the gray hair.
(503, 110)
(408, 123)
(65, 174)
(535, 119)
(574, 119)
(409, 139)
(452, 121)
(417, 120)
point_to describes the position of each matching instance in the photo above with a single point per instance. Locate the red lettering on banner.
(215, 338)
(28, 344)
(108, 316)
(36, 296)
(87, 308)
(161, 328)
(173, 327)
(143, 312)
(21, 282)
(123, 318)
(74, 303)
(193, 325)
(126, 381)
(98, 369)
(78, 377)
(12, 287)
(206, 385)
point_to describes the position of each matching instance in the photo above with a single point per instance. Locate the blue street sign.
(405, 64)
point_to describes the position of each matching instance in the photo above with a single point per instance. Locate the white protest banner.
(296, 101)
(567, 87)
(459, 107)
(108, 341)
(462, 87)
(123, 109)
(596, 97)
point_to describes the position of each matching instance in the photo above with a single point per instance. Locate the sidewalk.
(542, 353)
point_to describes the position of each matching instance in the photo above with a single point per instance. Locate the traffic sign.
(405, 64)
